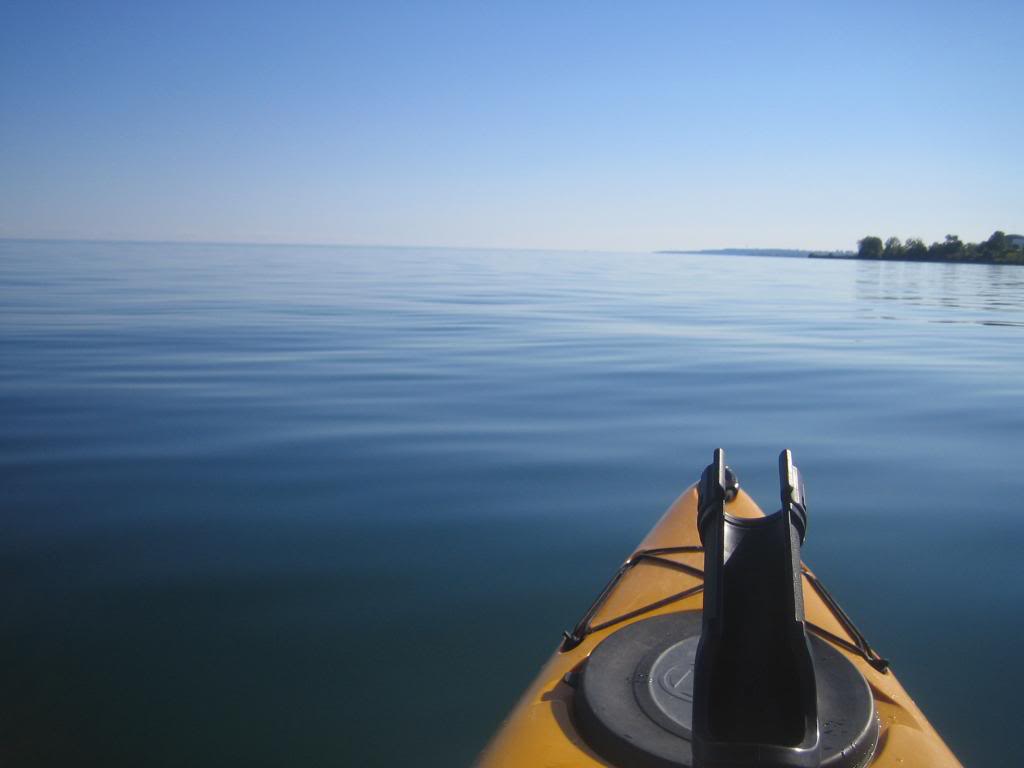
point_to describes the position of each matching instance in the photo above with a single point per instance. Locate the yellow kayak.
(772, 673)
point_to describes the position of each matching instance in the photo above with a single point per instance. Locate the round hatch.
(634, 700)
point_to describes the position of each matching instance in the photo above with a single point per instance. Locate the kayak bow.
(713, 645)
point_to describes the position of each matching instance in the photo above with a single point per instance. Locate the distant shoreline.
(1000, 248)
(789, 253)
(926, 260)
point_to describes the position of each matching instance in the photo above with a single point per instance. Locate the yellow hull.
(540, 731)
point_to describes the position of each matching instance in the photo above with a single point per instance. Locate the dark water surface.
(333, 506)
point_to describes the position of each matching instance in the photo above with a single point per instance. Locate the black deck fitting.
(754, 683)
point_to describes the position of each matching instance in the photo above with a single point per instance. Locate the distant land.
(1000, 248)
(786, 252)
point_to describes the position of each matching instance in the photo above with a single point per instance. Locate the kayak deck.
(540, 730)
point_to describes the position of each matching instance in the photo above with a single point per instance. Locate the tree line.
(996, 250)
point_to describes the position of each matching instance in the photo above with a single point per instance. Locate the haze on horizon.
(534, 125)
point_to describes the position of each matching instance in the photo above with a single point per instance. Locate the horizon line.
(168, 241)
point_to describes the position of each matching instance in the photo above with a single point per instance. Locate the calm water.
(332, 506)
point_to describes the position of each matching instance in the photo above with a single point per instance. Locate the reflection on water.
(269, 505)
(976, 291)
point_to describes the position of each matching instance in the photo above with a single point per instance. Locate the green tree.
(915, 248)
(893, 248)
(996, 242)
(953, 246)
(870, 247)
(949, 248)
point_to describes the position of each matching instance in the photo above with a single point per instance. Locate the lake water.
(322, 506)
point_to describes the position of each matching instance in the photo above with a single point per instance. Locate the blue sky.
(554, 124)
